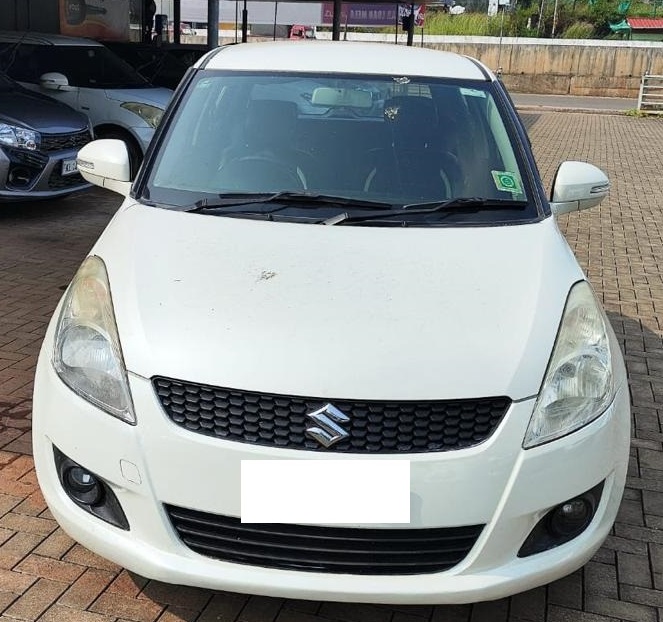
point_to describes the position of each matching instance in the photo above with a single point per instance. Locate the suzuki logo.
(327, 431)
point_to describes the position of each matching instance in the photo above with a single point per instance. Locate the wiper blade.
(239, 199)
(458, 204)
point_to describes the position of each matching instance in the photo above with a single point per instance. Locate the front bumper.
(29, 175)
(495, 483)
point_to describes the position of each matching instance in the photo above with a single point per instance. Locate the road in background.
(574, 102)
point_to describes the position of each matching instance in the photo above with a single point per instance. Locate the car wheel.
(135, 153)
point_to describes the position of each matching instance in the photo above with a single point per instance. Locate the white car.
(333, 345)
(87, 76)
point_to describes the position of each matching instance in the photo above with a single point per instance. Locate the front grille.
(58, 142)
(374, 426)
(324, 549)
(58, 181)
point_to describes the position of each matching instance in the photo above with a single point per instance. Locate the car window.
(388, 139)
(84, 66)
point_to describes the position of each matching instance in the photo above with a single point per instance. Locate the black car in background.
(39, 142)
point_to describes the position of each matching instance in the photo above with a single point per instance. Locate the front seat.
(267, 160)
(411, 168)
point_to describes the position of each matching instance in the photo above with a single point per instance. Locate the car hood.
(40, 113)
(155, 96)
(337, 312)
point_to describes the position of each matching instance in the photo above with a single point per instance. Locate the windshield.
(396, 141)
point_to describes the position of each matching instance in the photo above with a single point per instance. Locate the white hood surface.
(337, 311)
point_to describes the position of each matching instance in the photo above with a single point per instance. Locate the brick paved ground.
(46, 576)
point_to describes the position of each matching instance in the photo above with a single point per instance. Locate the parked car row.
(57, 93)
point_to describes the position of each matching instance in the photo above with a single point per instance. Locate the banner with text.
(372, 14)
(96, 19)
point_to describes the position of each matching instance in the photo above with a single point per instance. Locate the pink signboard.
(371, 14)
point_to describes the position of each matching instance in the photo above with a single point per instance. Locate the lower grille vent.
(324, 549)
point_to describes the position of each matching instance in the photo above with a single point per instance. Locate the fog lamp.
(570, 518)
(83, 485)
(563, 522)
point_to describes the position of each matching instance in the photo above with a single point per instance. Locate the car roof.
(344, 57)
(37, 38)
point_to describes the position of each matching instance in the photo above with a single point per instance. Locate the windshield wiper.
(458, 204)
(239, 199)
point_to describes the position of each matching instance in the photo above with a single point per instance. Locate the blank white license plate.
(69, 167)
(325, 491)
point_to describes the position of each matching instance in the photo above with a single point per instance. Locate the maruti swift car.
(333, 344)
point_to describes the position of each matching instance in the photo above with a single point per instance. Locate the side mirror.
(54, 81)
(105, 163)
(578, 186)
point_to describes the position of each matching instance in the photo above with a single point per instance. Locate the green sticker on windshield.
(506, 181)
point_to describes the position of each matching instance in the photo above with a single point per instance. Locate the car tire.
(134, 150)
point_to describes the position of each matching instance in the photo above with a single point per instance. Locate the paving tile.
(86, 589)
(490, 611)
(17, 547)
(561, 614)
(78, 554)
(305, 606)
(601, 579)
(289, 615)
(28, 524)
(225, 607)
(56, 545)
(530, 606)
(179, 595)
(355, 612)
(261, 609)
(620, 609)
(452, 613)
(634, 569)
(6, 600)
(36, 600)
(139, 610)
(58, 613)
(178, 614)
(15, 582)
(127, 584)
(49, 568)
(567, 592)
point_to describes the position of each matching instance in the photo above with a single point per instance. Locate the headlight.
(579, 384)
(150, 114)
(87, 356)
(19, 137)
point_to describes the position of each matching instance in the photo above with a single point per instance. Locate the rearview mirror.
(341, 98)
(578, 186)
(54, 81)
(105, 163)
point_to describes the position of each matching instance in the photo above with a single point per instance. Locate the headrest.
(270, 122)
(414, 119)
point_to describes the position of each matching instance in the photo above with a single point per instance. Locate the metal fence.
(650, 99)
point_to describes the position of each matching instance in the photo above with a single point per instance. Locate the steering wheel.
(260, 173)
